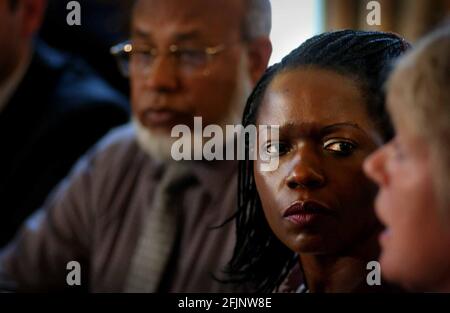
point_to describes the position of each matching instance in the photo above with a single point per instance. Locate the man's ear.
(259, 52)
(32, 13)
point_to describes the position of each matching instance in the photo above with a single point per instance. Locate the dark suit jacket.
(59, 110)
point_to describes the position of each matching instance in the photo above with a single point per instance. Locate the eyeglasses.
(141, 58)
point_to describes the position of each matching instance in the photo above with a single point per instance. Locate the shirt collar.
(294, 281)
(211, 175)
(10, 85)
(214, 176)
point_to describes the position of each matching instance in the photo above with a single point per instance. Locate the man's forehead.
(178, 17)
(183, 6)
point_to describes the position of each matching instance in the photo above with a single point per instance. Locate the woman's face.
(318, 200)
(416, 243)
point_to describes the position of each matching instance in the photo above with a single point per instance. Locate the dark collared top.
(59, 110)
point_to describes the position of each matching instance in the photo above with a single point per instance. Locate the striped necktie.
(159, 232)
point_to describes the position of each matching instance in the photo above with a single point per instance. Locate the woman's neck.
(334, 274)
(342, 273)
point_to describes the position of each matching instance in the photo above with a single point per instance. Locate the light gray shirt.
(95, 217)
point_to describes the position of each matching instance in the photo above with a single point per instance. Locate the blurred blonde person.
(413, 171)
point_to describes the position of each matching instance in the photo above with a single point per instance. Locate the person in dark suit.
(109, 215)
(104, 23)
(53, 107)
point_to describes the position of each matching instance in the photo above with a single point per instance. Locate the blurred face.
(416, 243)
(9, 40)
(318, 201)
(167, 95)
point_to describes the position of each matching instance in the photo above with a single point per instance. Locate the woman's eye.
(340, 147)
(276, 149)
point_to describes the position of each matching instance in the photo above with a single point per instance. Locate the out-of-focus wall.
(294, 21)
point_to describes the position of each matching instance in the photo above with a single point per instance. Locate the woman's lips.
(303, 213)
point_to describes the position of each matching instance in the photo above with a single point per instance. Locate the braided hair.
(260, 258)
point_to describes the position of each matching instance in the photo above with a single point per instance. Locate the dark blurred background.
(104, 23)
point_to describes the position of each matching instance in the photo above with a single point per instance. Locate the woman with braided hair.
(313, 215)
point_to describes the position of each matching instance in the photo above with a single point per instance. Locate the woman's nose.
(374, 166)
(306, 173)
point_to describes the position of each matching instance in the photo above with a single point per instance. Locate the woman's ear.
(31, 15)
(259, 52)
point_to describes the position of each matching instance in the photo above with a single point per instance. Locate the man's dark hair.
(367, 57)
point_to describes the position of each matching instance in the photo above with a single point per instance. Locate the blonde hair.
(423, 76)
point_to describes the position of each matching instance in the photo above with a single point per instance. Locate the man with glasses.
(133, 218)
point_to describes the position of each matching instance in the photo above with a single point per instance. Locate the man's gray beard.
(159, 145)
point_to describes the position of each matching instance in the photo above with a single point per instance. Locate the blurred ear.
(259, 52)
(32, 12)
